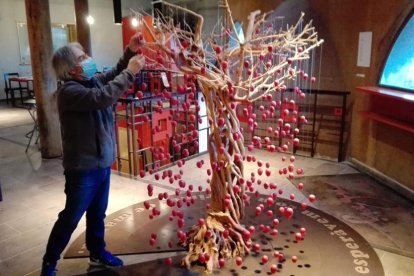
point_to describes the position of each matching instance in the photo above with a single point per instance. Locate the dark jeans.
(85, 191)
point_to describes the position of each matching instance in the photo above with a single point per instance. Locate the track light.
(90, 19)
(134, 22)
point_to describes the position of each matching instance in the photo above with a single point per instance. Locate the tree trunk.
(222, 235)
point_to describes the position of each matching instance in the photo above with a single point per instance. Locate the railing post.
(341, 137)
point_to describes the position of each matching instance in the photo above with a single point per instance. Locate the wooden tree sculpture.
(256, 68)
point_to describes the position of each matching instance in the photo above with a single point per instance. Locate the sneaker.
(48, 269)
(105, 259)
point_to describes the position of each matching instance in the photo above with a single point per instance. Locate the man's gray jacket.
(85, 111)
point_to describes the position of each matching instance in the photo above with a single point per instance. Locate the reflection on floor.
(33, 195)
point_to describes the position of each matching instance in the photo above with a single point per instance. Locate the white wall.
(106, 37)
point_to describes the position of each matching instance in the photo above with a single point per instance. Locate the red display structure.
(144, 116)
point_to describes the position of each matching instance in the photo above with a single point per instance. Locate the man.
(85, 102)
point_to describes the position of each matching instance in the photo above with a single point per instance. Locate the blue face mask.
(89, 68)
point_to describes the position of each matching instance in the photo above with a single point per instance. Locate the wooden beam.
(44, 82)
(82, 27)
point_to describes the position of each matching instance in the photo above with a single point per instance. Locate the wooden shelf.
(390, 107)
(387, 121)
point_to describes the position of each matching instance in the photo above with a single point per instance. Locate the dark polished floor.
(33, 195)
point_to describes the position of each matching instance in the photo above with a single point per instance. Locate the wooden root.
(200, 242)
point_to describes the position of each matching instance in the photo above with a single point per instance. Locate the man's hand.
(136, 63)
(136, 41)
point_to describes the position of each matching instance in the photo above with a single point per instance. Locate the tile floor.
(33, 195)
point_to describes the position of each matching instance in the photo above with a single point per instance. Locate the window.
(61, 35)
(398, 71)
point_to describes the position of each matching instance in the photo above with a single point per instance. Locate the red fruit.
(303, 205)
(289, 213)
(156, 211)
(221, 262)
(265, 259)
(220, 122)
(294, 259)
(246, 235)
(202, 258)
(296, 141)
(312, 198)
(147, 205)
(252, 229)
(226, 233)
(270, 201)
(180, 223)
(181, 235)
(273, 268)
(140, 94)
(261, 227)
(169, 261)
(239, 261)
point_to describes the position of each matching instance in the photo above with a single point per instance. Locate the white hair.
(64, 60)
